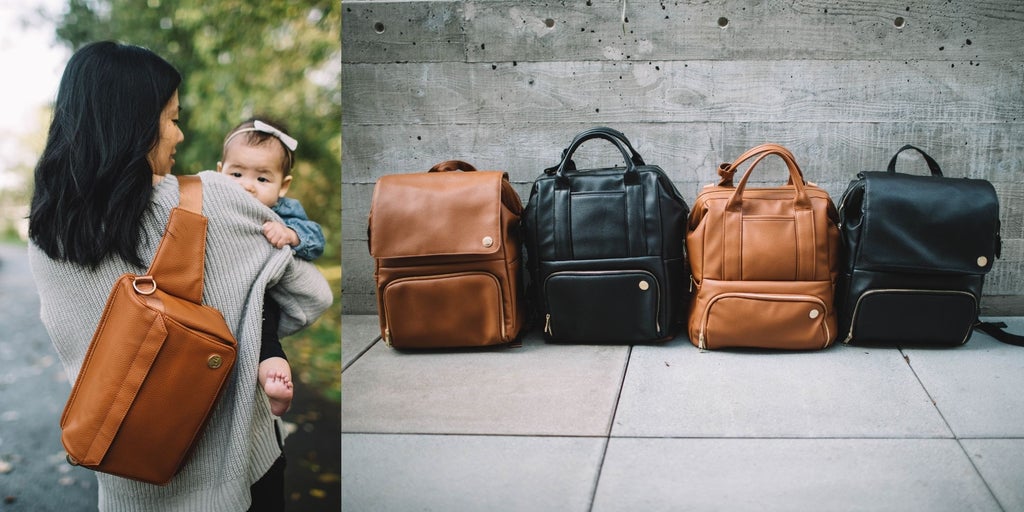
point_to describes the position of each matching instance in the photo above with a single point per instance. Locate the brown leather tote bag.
(764, 261)
(447, 253)
(157, 362)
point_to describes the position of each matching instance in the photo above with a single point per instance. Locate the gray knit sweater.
(239, 443)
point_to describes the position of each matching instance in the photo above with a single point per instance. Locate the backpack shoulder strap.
(177, 267)
(997, 330)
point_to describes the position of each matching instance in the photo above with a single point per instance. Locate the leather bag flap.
(928, 224)
(115, 367)
(438, 214)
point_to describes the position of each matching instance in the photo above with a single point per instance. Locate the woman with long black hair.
(103, 194)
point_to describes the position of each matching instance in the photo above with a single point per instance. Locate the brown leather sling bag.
(157, 362)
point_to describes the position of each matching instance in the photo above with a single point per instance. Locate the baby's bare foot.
(279, 389)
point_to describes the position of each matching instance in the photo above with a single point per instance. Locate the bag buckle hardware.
(148, 284)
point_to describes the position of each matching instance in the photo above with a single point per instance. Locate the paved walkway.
(549, 427)
(33, 389)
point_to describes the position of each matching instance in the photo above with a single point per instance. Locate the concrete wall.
(507, 84)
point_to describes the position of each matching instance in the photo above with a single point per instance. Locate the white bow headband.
(260, 126)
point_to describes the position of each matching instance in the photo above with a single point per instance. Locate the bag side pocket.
(789, 315)
(602, 306)
(448, 310)
(909, 316)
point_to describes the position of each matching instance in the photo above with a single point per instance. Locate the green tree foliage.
(278, 58)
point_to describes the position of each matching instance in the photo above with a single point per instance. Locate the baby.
(259, 156)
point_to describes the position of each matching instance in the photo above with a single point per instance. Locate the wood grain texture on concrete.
(506, 85)
(513, 30)
(449, 93)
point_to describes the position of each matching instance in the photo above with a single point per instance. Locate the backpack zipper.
(705, 317)
(501, 309)
(856, 307)
(657, 292)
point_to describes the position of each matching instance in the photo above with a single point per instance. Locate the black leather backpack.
(605, 249)
(917, 249)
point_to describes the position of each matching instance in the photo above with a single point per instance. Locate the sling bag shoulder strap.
(177, 267)
(190, 193)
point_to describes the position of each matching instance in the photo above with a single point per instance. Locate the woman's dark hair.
(93, 182)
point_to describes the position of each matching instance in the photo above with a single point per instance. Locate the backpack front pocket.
(776, 320)
(608, 306)
(448, 310)
(913, 316)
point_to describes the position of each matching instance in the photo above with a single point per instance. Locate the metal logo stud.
(214, 361)
(814, 314)
(982, 261)
(488, 241)
(644, 285)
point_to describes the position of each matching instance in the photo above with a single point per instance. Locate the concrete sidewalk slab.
(789, 474)
(358, 332)
(1001, 464)
(679, 391)
(449, 473)
(536, 389)
(977, 386)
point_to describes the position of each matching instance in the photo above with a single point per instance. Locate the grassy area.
(315, 353)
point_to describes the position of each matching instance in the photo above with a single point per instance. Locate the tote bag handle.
(800, 199)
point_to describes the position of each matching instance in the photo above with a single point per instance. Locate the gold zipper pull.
(547, 324)
(692, 283)
(387, 337)
(700, 340)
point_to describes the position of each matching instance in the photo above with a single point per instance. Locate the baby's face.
(257, 169)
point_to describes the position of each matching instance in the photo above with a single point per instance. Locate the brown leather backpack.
(156, 364)
(764, 260)
(447, 253)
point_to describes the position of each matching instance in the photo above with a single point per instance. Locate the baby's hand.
(280, 235)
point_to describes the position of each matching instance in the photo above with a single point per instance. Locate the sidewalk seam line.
(982, 477)
(611, 425)
(906, 359)
(956, 437)
(360, 354)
